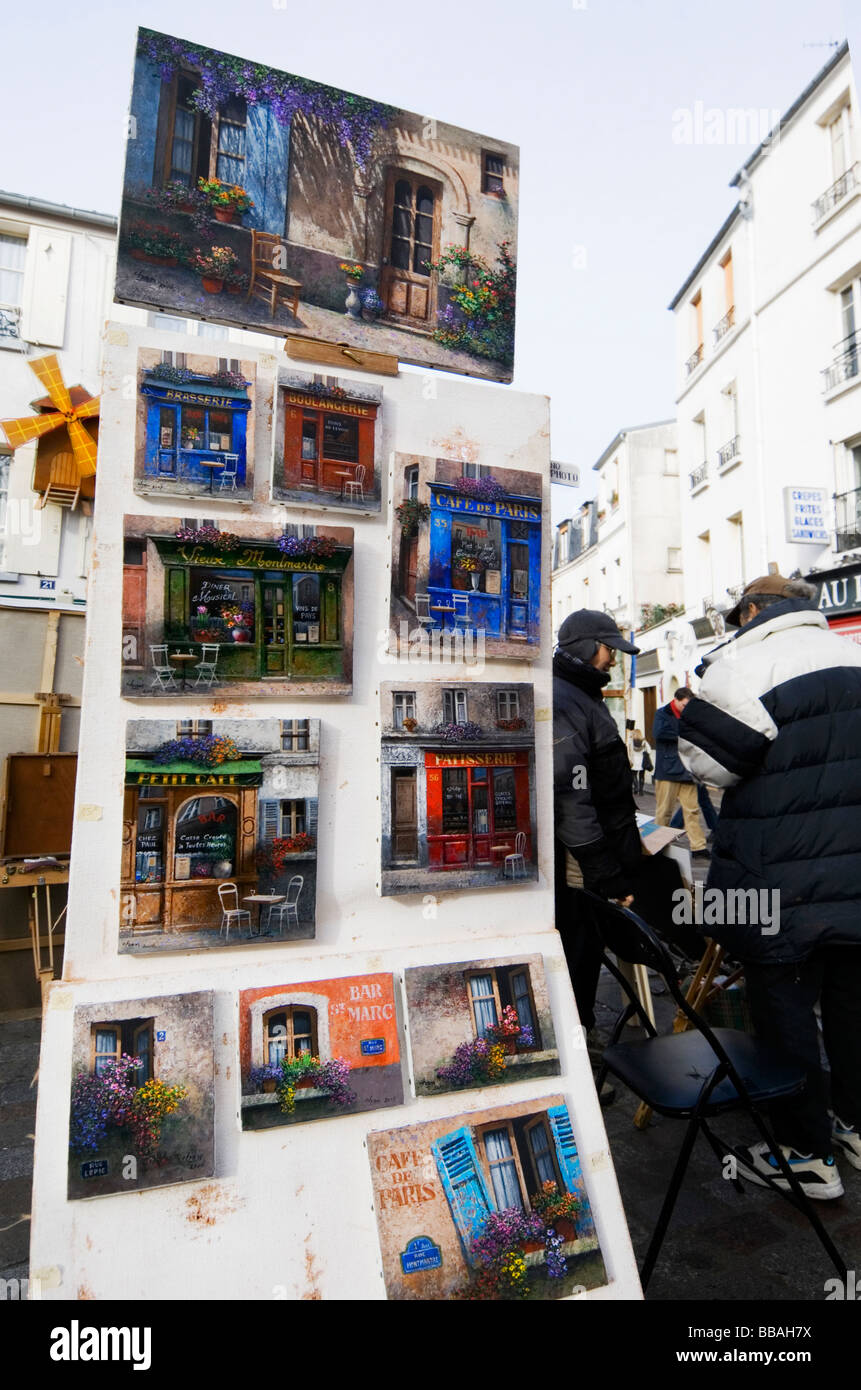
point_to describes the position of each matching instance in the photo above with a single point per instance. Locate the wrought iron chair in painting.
(516, 862)
(462, 620)
(163, 673)
(231, 913)
(426, 618)
(693, 1075)
(267, 282)
(206, 667)
(229, 471)
(354, 487)
(290, 906)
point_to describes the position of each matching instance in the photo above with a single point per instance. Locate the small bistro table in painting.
(183, 660)
(260, 899)
(210, 465)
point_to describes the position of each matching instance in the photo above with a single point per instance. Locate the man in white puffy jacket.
(777, 723)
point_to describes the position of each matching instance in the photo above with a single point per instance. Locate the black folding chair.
(695, 1074)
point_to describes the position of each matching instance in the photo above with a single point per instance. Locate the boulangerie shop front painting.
(485, 1205)
(458, 786)
(195, 426)
(255, 610)
(327, 442)
(219, 833)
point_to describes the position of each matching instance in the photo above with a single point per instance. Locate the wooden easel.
(700, 988)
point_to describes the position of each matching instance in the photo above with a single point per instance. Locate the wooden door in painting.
(275, 633)
(407, 567)
(411, 239)
(405, 830)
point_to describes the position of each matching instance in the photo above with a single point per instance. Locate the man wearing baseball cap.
(777, 723)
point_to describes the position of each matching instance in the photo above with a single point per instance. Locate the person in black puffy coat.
(777, 723)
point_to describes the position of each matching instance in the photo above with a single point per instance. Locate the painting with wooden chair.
(267, 283)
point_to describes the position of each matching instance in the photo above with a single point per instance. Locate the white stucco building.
(767, 363)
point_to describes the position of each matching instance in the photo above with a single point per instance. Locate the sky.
(614, 209)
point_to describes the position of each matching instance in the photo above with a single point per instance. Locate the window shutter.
(464, 1185)
(311, 816)
(46, 283)
(569, 1165)
(268, 821)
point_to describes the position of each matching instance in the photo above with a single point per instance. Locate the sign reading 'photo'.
(257, 198)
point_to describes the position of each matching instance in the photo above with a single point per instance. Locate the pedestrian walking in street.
(707, 810)
(641, 761)
(777, 723)
(673, 782)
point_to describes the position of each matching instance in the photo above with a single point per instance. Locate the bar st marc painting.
(257, 198)
(486, 1205)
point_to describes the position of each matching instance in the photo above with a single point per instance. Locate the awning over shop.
(141, 772)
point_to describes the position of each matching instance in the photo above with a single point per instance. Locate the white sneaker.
(847, 1139)
(818, 1176)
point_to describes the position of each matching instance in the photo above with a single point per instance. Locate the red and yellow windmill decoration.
(66, 461)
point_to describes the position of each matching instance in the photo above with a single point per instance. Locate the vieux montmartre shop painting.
(479, 1023)
(466, 556)
(253, 610)
(142, 1102)
(219, 833)
(195, 426)
(327, 442)
(319, 1049)
(485, 1205)
(257, 198)
(458, 786)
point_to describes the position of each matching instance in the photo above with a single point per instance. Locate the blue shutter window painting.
(196, 432)
(569, 1166)
(464, 1186)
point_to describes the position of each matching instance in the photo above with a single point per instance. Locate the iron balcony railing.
(845, 364)
(847, 520)
(729, 451)
(694, 360)
(833, 196)
(699, 475)
(721, 329)
(735, 592)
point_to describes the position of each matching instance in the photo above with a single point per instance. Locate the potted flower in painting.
(239, 620)
(510, 1031)
(265, 1078)
(214, 266)
(309, 1073)
(227, 200)
(372, 305)
(354, 275)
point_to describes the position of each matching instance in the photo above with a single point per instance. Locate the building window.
(289, 1032)
(111, 1040)
(508, 704)
(541, 1155)
(455, 800)
(230, 153)
(294, 735)
(454, 706)
(674, 559)
(404, 707)
(291, 819)
(193, 728)
(13, 250)
(411, 490)
(840, 133)
(205, 837)
(474, 470)
(492, 173)
(499, 1155)
(212, 330)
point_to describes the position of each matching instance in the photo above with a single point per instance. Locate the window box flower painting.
(142, 1102)
(195, 433)
(489, 1205)
(466, 560)
(458, 791)
(349, 220)
(479, 1023)
(219, 834)
(317, 1050)
(237, 609)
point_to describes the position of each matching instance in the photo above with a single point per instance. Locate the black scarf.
(580, 673)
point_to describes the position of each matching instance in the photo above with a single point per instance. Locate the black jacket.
(594, 808)
(777, 722)
(665, 731)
